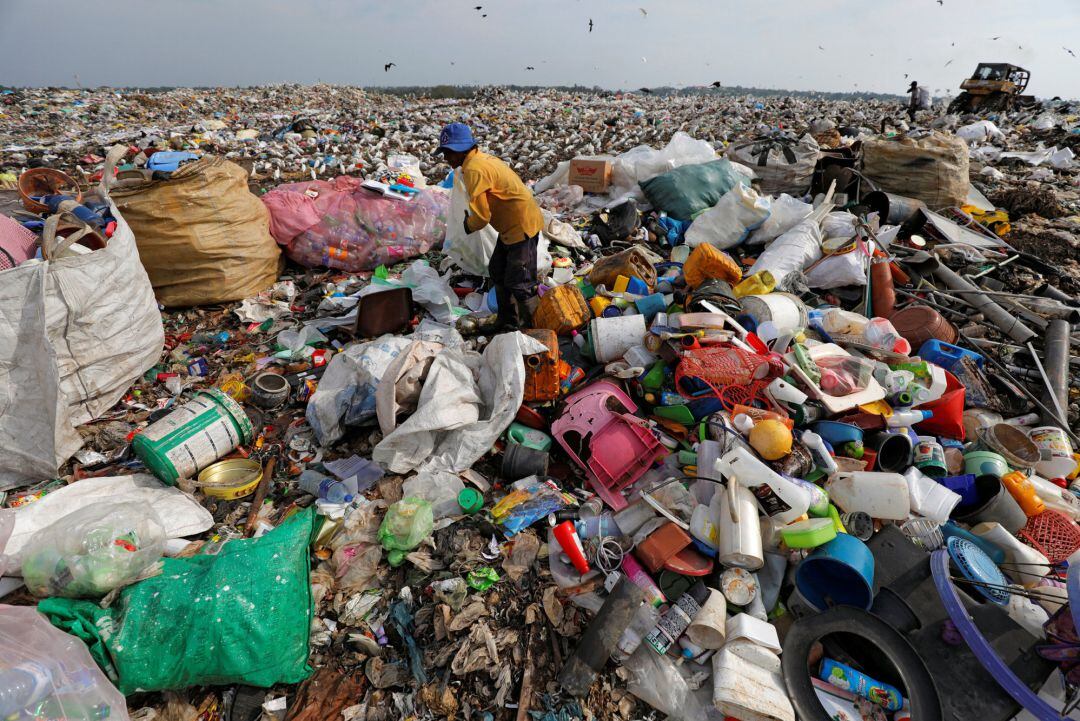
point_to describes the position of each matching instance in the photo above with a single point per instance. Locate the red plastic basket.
(1052, 534)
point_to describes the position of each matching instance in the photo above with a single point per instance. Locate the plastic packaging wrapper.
(346, 392)
(164, 632)
(982, 131)
(782, 163)
(48, 674)
(357, 229)
(406, 524)
(785, 212)
(843, 375)
(179, 514)
(466, 403)
(731, 221)
(94, 550)
(529, 501)
(684, 192)
(658, 681)
(791, 252)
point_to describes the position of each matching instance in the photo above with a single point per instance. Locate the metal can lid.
(470, 500)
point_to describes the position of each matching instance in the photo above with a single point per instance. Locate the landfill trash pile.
(792, 429)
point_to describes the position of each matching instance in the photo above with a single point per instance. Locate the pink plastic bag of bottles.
(341, 225)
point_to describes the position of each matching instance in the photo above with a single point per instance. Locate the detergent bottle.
(779, 497)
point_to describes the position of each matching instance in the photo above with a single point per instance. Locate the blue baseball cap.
(456, 137)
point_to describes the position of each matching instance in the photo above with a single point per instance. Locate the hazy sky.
(868, 44)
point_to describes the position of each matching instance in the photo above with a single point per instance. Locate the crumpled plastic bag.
(346, 392)
(785, 212)
(431, 290)
(471, 400)
(399, 388)
(982, 131)
(94, 550)
(728, 223)
(406, 524)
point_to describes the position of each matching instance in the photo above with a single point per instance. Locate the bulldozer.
(993, 87)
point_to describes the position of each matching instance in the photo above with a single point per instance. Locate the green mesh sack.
(686, 191)
(241, 616)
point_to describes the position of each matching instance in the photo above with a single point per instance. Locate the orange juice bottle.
(1024, 492)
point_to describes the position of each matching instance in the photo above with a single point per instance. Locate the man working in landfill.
(920, 99)
(498, 197)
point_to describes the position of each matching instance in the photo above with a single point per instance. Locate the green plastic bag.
(241, 616)
(688, 190)
(406, 524)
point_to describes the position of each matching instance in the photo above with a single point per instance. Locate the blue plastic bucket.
(839, 573)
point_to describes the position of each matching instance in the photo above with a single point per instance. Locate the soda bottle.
(22, 686)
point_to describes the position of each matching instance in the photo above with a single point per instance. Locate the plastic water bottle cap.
(470, 500)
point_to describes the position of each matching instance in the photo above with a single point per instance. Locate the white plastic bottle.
(778, 497)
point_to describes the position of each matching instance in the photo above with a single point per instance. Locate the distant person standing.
(920, 99)
(498, 197)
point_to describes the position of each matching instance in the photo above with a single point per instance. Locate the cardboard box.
(593, 174)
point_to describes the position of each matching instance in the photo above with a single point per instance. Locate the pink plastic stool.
(600, 432)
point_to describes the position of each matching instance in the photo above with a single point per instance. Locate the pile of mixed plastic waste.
(793, 432)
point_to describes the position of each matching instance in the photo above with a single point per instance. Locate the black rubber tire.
(917, 681)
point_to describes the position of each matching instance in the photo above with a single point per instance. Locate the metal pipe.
(1057, 366)
(1023, 389)
(1006, 322)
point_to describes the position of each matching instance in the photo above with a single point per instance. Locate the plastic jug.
(843, 322)
(779, 497)
(880, 495)
(757, 284)
(528, 437)
(736, 518)
(1024, 492)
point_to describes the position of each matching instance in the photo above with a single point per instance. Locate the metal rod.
(1023, 389)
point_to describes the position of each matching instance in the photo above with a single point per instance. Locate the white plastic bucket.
(612, 337)
(708, 628)
(881, 495)
(929, 498)
(1056, 451)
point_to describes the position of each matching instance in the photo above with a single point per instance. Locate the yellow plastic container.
(756, 284)
(621, 283)
(707, 262)
(562, 309)
(599, 304)
(1023, 490)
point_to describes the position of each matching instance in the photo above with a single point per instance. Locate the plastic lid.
(976, 566)
(470, 500)
(810, 533)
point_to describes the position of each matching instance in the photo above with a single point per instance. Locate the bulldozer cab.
(996, 78)
(992, 87)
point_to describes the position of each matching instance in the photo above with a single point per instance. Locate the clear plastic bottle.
(644, 620)
(880, 333)
(324, 487)
(22, 686)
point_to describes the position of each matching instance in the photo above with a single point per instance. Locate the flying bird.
(905, 76)
(820, 48)
(643, 59)
(590, 25)
(1070, 52)
(644, 90)
(1020, 46)
(716, 84)
(386, 68)
(478, 7)
(529, 67)
(996, 37)
(644, 13)
(948, 63)
(484, 15)
(940, 2)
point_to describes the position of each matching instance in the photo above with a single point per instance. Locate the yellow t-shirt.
(497, 196)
